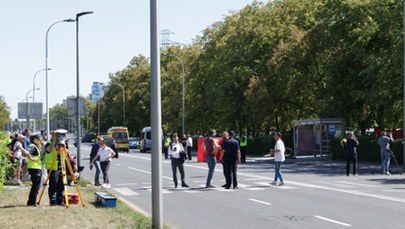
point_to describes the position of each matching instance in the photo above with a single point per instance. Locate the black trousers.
(189, 152)
(56, 188)
(177, 164)
(36, 184)
(351, 159)
(105, 166)
(243, 154)
(230, 172)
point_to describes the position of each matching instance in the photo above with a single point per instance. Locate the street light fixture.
(183, 92)
(77, 86)
(46, 77)
(28, 105)
(33, 93)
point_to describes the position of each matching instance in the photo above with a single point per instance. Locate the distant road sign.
(71, 106)
(35, 110)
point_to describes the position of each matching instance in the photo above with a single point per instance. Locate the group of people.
(230, 157)
(40, 157)
(350, 145)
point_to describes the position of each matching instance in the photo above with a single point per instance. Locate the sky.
(108, 39)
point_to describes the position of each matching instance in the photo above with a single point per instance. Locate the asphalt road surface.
(317, 194)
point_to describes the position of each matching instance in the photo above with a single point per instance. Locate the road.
(317, 194)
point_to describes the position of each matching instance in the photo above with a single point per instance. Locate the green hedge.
(368, 149)
(4, 162)
(261, 145)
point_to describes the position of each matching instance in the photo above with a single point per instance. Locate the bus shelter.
(312, 136)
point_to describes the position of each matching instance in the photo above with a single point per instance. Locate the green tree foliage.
(4, 113)
(268, 64)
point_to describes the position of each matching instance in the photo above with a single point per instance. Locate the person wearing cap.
(279, 158)
(34, 165)
(230, 158)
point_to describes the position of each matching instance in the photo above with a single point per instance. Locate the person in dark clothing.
(351, 144)
(230, 158)
(93, 154)
(34, 167)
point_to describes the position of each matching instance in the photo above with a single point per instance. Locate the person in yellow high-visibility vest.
(243, 147)
(34, 165)
(52, 163)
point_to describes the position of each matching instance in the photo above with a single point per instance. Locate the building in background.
(97, 91)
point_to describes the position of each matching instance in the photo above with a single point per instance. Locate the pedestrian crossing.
(254, 185)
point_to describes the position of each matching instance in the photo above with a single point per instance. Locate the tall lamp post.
(183, 91)
(33, 93)
(123, 102)
(28, 106)
(77, 86)
(46, 75)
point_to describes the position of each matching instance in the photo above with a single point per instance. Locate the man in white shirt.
(189, 145)
(279, 158)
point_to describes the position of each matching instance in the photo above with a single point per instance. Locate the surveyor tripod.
(392, 155)
(65, 164)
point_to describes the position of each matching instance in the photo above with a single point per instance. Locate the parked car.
(133, 143)
(88, 137)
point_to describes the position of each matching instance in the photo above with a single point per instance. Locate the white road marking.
(357, 184)
(382, 197)
(332, 221)
(348, 191)
(275, 186)
(117, 165)
(260, 202)
(126, 191)
(140, 170)
(335, 184)
(193, 191)
(125, 184)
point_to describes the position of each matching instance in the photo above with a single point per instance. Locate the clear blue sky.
(108, 39)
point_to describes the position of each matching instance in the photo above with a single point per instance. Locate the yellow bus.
(120, 135)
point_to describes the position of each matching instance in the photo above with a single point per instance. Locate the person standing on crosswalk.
(279, 159)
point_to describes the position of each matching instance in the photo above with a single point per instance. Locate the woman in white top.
(105, 154)
(176, 160)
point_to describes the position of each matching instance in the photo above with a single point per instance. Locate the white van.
(146, 139)
(145, 143)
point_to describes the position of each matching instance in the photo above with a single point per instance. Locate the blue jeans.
(98, 170)
(211, 167)
(385, 161)
(277, 171)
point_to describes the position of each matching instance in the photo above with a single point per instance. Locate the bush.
(262, 144)
(368, 149)
(5, 165)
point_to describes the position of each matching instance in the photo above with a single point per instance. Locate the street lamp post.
(46, 74)
(183, 92)
(33, 93)
(28, 106)
(123, 102)
(77, 86)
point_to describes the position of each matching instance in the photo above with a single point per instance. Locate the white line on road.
(260, 202)
(358, 184)
(140, 170)
(125, 184)
(126, 191)
(332, 221)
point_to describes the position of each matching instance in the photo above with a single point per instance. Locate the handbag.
(182, 157)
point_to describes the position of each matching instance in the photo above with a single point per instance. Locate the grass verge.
(15, 214)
